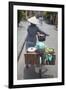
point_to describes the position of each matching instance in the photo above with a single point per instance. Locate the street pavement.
(51, 42)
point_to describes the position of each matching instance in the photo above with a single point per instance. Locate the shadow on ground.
(30, 73)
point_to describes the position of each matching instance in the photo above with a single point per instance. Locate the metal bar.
(21, 50)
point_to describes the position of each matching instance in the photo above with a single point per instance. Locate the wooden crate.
(31, 58)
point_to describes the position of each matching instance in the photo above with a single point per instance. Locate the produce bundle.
(48, 56)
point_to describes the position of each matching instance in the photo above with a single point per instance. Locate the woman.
(33, 30)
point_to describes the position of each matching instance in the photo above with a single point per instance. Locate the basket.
(42, 38)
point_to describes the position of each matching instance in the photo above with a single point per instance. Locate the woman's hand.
(40, 34)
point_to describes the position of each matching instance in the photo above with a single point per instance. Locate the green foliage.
(51, 17)
(21, 15)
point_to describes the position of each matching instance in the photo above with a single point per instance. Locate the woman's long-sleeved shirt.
(32, 31)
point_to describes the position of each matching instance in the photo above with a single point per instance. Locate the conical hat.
(33, 20)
